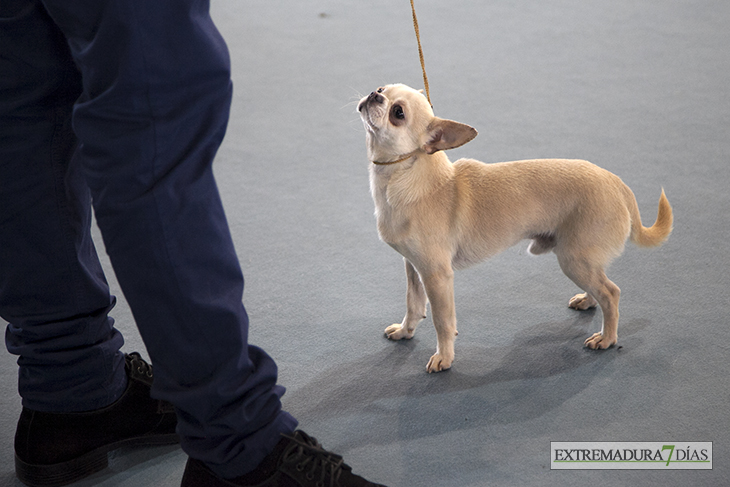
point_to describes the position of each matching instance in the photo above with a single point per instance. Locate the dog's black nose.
(372, 97)
(375, 97)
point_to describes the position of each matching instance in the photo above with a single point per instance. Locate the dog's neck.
(410, 180)
(381, 157)
(398, 160)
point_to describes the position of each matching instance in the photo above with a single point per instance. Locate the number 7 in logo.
(671, 451)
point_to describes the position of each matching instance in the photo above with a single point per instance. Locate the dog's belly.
(473, 251)
(468, 241)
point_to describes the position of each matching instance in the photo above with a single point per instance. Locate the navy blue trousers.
(122, 104)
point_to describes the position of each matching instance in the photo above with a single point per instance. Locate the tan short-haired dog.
(442, 216)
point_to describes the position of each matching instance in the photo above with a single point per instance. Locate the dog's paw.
(397, 332)
(582, 302)
(439, 362)
(599, 342)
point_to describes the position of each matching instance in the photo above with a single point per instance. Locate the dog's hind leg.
(598, 288)
(415, 306)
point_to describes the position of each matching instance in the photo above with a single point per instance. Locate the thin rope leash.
(420, 53)
(425, 84)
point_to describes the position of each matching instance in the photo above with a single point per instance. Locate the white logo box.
(669, 455)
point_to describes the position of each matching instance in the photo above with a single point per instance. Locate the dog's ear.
(446, 134)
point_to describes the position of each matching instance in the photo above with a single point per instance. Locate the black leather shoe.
(54, 449)
(297, 461)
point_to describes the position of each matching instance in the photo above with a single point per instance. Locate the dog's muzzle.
(371, 98)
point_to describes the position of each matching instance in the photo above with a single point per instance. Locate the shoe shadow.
(133, 466)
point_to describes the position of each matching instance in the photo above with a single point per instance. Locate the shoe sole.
(64, 473)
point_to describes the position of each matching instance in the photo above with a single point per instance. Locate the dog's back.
(551, 201)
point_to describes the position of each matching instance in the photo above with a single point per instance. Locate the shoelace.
(312, 457)
(138, 368)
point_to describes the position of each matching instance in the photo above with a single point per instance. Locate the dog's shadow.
(544, 366)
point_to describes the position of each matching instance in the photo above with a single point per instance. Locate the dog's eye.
(398, 112)
(381, 89)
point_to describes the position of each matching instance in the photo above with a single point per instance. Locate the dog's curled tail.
(656, 234)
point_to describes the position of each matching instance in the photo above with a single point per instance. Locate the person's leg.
(154, 109)
(52, 290)
(81, 396)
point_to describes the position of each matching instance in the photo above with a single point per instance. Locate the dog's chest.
(392, 224)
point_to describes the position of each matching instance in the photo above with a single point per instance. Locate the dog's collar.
(405, 157)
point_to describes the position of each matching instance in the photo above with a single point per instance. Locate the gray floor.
(639, 88)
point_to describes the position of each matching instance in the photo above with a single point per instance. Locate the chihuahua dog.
(442, 216)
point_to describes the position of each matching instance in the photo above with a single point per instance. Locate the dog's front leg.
(415, 306)
(439, 286)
